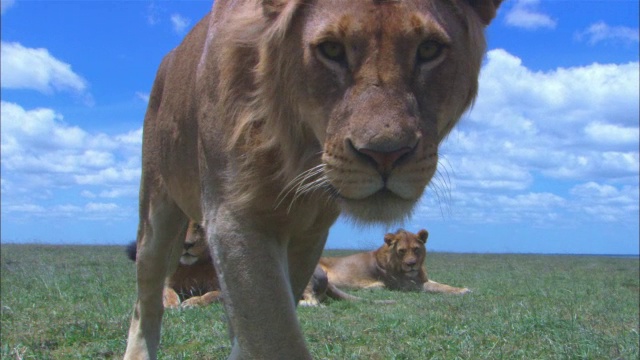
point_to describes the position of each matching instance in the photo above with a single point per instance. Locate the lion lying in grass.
(397, 265)
(195, 282)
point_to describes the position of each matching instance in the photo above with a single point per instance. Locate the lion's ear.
(273, 8)
(423, 235)
(279, 14)
(486, 9)
(389, 239)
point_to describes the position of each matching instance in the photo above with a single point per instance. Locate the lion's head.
(363, 92)
(195, 247)
(405, 252)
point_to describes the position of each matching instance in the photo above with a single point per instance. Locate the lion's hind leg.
(160, 236)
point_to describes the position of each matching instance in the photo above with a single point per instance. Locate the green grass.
(74, 302)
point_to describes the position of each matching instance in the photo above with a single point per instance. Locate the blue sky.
(547, 161)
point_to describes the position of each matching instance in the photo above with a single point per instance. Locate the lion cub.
(195, 282)
(397, 265)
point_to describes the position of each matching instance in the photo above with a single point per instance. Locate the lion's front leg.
(202, 300)
(170, 298)
(375, 285)
(252, 269)
(435, 287)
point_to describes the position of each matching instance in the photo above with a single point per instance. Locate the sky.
(547, 160)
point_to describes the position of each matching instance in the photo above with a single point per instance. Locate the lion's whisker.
(296, 182)
(308, 189)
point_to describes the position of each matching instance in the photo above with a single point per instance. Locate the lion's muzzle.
(384, 157)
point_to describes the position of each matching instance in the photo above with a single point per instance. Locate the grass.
(74, 302)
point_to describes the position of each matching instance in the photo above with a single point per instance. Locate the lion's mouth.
(411, 273)
(381, 195)
(188, 259)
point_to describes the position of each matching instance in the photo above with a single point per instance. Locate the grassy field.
(74, 302)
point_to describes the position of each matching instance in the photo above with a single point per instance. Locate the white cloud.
(481, 207)
(524, 14)
(5, 5)
(153, 14)
(142, 96)
(101, 207)
(612, 133)
(36, 69)
(180, 23)
(50, 168)
(93, 211)
(537, 129)
(38, 147)
(607, 202)
(28, 208)
(601, 32)
(129, 191)
(87, 194)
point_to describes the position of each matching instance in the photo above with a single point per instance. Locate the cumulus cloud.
(601, 32)
(180, 23)
(93, 211)
(612, 134)
(607, 202)
(5, 5)
(524, 14)
(37, 69)
(575, 125)
(42, 155)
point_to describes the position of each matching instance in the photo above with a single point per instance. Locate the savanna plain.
(75, 302)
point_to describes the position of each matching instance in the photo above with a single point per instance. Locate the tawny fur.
(273, 117)
(399, 264)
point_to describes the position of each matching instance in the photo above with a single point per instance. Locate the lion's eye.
(429, 50)
(333, 51)
(402, 251)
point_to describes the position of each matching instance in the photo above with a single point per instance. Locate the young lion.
(398, 265)
(194, 283)
(270, 119)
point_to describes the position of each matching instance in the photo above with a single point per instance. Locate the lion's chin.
(382, 207)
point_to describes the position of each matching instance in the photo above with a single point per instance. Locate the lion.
(397, 265)
(274, 117)
(194, 282)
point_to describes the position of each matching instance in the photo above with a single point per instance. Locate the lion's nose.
(411, 262)
(385, 161)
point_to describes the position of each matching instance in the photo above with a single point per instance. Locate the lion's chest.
(195, 279)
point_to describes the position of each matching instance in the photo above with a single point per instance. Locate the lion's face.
(195, 245)
(384, 82)
(407, 251)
